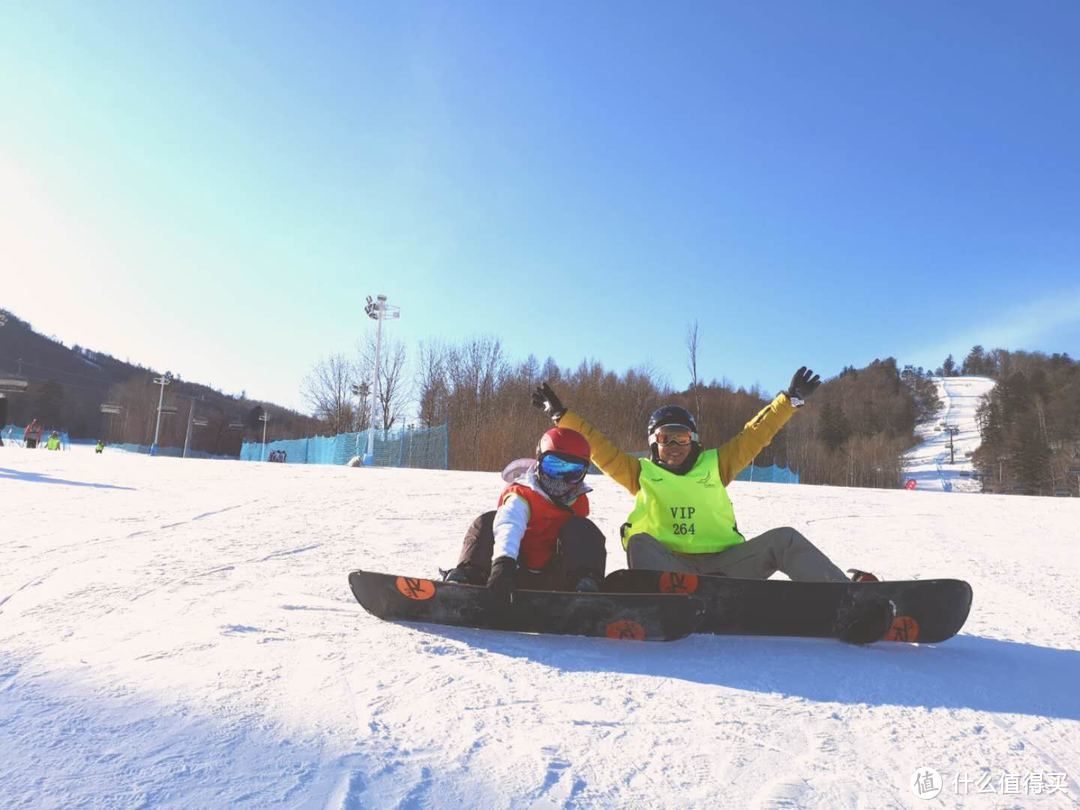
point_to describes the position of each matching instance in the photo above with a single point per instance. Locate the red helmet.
(565, 442)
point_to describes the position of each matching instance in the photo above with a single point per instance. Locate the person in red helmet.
(539, 537)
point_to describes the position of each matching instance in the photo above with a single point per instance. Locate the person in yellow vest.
(683, 519)
(540, 536)
(54, 441)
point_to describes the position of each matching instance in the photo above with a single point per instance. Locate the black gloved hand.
(501, 580)
(546, 400)
(803, 384)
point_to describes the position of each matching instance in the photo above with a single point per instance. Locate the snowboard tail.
(927, 611)
(649, 616)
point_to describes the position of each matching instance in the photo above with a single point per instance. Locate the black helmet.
(672, 415)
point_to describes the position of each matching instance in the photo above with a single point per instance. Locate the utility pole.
(378, 310)
(164, 380)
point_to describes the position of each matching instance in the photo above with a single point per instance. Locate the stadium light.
(379, 311)
(264, 417)
(164, 380)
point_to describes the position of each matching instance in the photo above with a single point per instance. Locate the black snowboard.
(927, 610)
(640, 617)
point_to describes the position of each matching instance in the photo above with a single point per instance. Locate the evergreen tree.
(833, 426)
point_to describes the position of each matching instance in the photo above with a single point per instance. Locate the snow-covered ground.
(928, 464)
(181, 634)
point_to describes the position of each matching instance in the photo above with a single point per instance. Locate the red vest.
(546, 520)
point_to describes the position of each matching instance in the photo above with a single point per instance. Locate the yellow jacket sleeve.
(623, 467)
(752, 439)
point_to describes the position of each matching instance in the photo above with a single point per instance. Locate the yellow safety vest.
(690, 513)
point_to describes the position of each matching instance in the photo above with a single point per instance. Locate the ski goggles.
(563, 469)
(674, 434)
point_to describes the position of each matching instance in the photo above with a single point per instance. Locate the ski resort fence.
(422, 448)
(169, 452)
(773, 474)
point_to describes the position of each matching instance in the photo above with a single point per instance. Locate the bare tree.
(328, 390)
(391, 390)
(434, 392)
(475, 373)
(695, 381)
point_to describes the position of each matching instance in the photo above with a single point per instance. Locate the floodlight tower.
(264, 417)
(164, 380)
(378, 310)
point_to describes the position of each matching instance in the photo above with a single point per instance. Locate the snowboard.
(927, 610)
(631, 616)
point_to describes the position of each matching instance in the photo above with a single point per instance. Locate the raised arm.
(622, 467)
(761, 430)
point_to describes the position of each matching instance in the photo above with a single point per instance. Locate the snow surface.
(181, 634)
(929, 464)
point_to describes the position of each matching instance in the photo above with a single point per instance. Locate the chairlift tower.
(378, 310)
(952, 430)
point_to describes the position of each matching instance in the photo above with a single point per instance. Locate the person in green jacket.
(54, 441)
(683, 519)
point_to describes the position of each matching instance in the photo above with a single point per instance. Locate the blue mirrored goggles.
(563, 469)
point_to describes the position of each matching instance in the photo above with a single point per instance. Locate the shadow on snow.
(966, 672)
(38, 478)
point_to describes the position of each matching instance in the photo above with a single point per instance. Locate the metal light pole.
(264, 417)
(164, 380)
(192, 423)
(361, 391)
(378, 310)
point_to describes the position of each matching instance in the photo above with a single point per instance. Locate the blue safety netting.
(170, 452)
(772, 474)
(422, 448)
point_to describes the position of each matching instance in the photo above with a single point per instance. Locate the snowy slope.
(929, 464)
(180, 634)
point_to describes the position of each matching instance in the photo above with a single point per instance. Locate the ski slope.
(181, 634)
(930, 463)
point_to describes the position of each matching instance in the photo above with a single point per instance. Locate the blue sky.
(214, 188)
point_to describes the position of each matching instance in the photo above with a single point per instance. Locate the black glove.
(803, 384)
(501, 580)
(546, 400)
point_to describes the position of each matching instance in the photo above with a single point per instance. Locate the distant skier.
(100, 446)
(33, 433)
(540, 536)
(54, 441)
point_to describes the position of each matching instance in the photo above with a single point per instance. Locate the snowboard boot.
(464, 575)
(865, 623)
(862, 576)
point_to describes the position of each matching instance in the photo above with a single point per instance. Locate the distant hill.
(68, 385)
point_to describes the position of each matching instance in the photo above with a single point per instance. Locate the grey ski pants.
(783, 550)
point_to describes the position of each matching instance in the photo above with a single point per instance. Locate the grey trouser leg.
(782, 550)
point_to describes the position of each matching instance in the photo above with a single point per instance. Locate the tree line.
(1030, 423)
(852, 432)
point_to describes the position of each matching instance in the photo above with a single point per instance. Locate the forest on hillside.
(1030, 423)
(67, 386)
